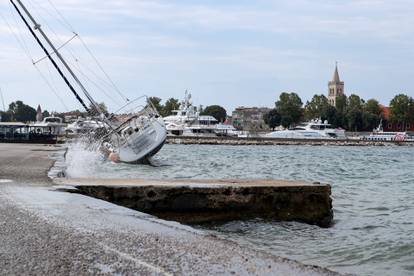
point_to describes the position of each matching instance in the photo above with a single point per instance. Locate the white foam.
(82, 160)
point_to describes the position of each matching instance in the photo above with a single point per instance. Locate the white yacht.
(82, 126)
(187, 121)
(315, 129)
(227, 130)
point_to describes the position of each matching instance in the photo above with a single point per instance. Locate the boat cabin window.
(53, 120)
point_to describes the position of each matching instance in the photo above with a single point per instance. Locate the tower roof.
(335, 78)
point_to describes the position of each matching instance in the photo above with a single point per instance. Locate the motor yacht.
(315, 129)
(187, 121)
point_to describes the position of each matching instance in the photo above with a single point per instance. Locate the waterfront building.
(336, 87)
(250, 118)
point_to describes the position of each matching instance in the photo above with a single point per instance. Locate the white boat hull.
(136, 146)
(143, 144)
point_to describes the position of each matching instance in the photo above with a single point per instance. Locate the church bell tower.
(336, 87)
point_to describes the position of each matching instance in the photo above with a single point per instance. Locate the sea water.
(372, 192)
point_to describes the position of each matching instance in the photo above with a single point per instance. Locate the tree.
(341, 110)
(272, 118)
(5, 116)
(372, 106)
(402, 110)
(286, 121)
(21, 112)
(45, 114)
(94, 111)
(316, 107)
(156, 102)
(372, 114)
(170, 105)
(216, 111)
(330, 115)
(354, 112)
(289, 106)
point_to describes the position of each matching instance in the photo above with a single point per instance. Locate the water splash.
(83, 158)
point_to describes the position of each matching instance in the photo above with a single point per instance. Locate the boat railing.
(137, 106)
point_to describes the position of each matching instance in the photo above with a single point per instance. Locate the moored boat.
(315, 129)
(379, 134)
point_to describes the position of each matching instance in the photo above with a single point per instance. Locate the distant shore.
(234, 141)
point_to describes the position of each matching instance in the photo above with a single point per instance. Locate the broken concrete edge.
(201, 201)
(178, 182)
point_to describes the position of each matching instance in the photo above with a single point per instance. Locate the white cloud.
(292, 41)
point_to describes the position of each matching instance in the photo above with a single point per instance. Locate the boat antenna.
(37, 26)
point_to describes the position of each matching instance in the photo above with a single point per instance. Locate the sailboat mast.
(50, 58)
(38, 27)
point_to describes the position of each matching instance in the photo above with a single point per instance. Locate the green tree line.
(351, 113)
(20, 112)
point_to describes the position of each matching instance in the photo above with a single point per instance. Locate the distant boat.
(378, 134)
(187, 121)
(54, 125)
(315, 129)
(139, 136)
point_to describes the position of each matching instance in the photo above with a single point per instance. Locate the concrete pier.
(44, 231)
(198, 201)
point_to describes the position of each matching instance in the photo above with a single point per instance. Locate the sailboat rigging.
(134, 138)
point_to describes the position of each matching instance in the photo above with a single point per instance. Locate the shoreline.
(262, 141)
(55, 232)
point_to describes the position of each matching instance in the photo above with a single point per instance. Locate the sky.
(231, 53)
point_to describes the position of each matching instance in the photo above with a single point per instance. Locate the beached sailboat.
(133, 137)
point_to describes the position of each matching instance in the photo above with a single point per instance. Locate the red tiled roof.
(385, 111)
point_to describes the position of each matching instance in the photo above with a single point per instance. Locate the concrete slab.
(199, 201)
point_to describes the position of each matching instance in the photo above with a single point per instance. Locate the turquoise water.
(373, 199)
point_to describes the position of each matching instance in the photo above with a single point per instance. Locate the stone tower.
(336, 87)
(39, 115)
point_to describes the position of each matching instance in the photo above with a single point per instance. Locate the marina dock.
(46, 231)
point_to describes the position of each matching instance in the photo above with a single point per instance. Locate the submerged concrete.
(47, 232)
(199, 201)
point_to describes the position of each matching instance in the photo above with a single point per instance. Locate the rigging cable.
(50, 57)
(63, 45)
(63, 22)
(25, 49)
(79, 70)
(71, 52)
(51, 87)
(103, 71)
